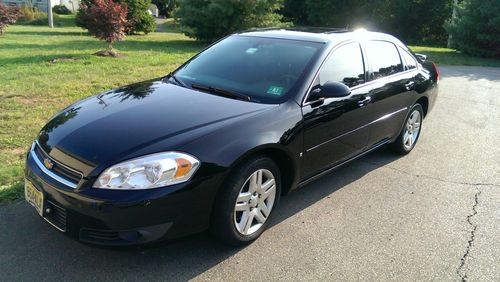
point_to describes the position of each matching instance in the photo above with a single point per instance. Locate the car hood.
(142, 118)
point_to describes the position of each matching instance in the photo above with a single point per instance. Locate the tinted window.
(344, 65)
(266, 69)
(384, 59)
(410, 62)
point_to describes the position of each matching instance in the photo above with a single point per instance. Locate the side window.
(383, 58)
(344, 65)
(410, 62)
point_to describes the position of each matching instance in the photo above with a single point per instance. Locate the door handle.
(409, 85)
(365, 101)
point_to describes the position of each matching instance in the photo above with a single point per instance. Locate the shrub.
(138, 18)
(61, 10)
(105, 20)
(476, 30)
(29, 14)
(212, 19)
(33, 16)
(8, 15)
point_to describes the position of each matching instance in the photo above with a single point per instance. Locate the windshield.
(264, 69)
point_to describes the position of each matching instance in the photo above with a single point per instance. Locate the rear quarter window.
(410, 62)
(383, 58)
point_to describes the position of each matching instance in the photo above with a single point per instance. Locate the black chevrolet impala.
(214, 144)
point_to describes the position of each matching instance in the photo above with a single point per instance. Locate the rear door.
(391, 91)
(337, 128)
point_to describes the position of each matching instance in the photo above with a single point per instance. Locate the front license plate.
(33, 196)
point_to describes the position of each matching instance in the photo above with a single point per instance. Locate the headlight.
(151, 171)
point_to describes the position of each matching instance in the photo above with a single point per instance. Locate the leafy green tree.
(294, 10)
(414, 21)
(139, 18)
(166, 7)
(212, 19)
(476, 30)
(337, 13)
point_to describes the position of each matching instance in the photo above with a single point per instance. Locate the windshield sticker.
(251, 51)
(275, 90)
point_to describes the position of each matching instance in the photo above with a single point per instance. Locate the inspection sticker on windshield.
(275, 90)
(251, 51)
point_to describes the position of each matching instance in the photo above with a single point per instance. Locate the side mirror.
(331, 89)
(421, 57)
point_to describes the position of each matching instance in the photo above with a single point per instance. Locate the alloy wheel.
(255, 202)
(412, 130)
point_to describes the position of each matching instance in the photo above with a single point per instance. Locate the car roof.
(320, 35)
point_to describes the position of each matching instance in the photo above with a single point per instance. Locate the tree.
(413, 21)
(212, 19)
(105, 20)
(8, 15)
(294, 10)
(138, 18)
(166, 7)
(337, 13)
(476, 30)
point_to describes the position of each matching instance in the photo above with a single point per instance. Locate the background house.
(42, 5)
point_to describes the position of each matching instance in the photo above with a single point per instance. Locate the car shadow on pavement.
(31, 248)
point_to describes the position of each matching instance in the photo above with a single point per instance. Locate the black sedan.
(214, 144)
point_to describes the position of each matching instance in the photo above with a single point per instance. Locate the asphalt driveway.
(432, 215)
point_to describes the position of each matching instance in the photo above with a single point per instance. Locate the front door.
(336, 129)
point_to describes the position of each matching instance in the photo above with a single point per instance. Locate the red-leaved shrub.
(105, 20)
(8, 15)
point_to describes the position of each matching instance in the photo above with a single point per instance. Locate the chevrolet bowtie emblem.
(48, 164)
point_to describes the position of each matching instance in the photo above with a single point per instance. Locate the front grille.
(55, 215)
(100, 235)
(58, 169)
(108, 237)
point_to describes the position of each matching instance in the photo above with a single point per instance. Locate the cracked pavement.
(431, 215)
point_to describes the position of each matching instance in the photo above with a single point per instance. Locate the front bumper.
(112, 217)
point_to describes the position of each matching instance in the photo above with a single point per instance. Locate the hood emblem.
(48, 164)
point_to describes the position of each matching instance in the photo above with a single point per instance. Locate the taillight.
(437, 72)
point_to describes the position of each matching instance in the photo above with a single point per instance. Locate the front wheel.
(411, 131)
(247, 201)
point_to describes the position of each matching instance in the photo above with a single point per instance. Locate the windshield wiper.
(221, 92)
(177, 81)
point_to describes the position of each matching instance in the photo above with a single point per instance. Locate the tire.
(410, 132)
(256, 204)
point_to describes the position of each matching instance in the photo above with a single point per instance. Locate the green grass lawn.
(445, 56)
(33, 88)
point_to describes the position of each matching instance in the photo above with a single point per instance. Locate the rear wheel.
(411, 131)
(247, 202)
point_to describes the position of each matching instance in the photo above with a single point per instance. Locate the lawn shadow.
(180, 259)
(171, 46)
(54, 32)
(27, 60)
(168, 47)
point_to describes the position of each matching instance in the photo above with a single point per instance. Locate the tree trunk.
(110, 46)
(453, 17)
(49, 14)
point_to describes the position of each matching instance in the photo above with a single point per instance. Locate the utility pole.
(453, 17)
(49, 13)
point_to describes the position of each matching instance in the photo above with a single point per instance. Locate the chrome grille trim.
(47, 171)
